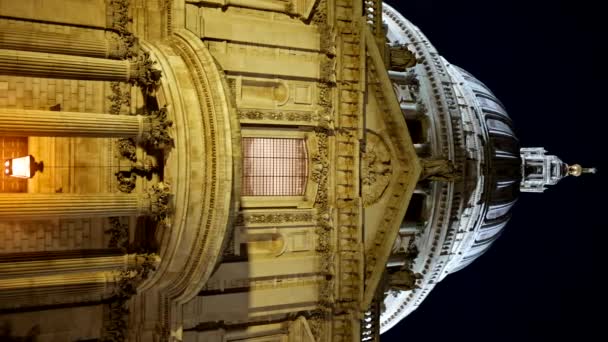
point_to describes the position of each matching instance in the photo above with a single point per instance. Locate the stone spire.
(539, 169)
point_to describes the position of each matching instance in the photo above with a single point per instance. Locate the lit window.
(274, 167)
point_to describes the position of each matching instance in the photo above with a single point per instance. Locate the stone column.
(40, 268)
(56, 289)
(29, 122)
(52, 65)
(114, 46)
(42, 206)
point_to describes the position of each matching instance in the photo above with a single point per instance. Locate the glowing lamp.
(22, 167)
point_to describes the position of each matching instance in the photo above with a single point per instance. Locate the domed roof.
(502, 168)
(470, 127)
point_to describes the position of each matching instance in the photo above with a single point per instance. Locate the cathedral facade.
(239, 170)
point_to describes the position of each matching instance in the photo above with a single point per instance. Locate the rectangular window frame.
(306, 200)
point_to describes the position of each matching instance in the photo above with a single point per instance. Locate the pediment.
(390, 168)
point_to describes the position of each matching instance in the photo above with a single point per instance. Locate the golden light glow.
(21, 167)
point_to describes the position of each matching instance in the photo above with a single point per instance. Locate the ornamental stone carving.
(255, 114)
(160, 198)
(127, 149)
(247, 218)
(119, 234)
(401, 58)
(441, 170)
(118, 15)
(376, 169)
(119, 98)
(126, 181)
(145, 75)
(403, 280)
(158, 134)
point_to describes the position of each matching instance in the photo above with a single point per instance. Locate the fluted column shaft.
(56, 289)
(60, 43)
(52, 65)
(28, 122)
(38, 268)
(42, 206)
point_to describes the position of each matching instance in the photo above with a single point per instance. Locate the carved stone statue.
(403, 280)
(441, 170)
(401, 58)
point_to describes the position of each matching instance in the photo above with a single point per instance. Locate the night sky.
(545, 60)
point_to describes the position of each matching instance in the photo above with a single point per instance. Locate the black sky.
(546, 61)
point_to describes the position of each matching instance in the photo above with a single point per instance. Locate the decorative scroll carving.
(119, 234)
(158, 134)
(115, 328)
(118, 98)
(376, 169)
(254, 114)
(246, 218)
(127, 149)
(401, 58)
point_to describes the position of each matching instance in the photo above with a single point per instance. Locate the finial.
(577, 170)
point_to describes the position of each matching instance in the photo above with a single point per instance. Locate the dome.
(452, 116)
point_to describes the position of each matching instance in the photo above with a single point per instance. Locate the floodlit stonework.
(239, 170)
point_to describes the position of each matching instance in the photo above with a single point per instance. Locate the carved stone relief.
(119, 234)
(376, 168)
(249, 218)
(119, 98)
(255, 114)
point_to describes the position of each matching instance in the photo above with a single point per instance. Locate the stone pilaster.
(42, 206)
(52, 65)
(27, 122)
(114, 46)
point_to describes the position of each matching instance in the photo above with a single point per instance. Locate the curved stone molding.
(200, 169)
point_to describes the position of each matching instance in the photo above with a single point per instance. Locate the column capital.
(155, 130)
(143, 74)
(159, 198)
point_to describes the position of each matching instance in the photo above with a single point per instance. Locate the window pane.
(274, 167)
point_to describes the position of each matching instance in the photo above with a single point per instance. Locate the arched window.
(274, 166)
